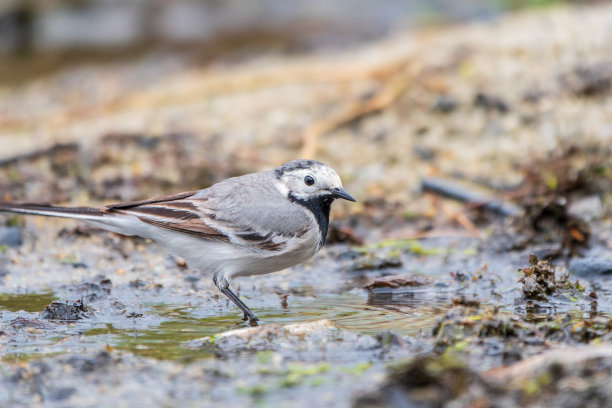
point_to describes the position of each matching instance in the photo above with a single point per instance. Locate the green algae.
(167, 340)
(28, 302)
(413, 246)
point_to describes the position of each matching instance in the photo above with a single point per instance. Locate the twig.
(429, 234)
(450, 189)
(463, 221)
(392, 90)
(37, 154)
(65, 339)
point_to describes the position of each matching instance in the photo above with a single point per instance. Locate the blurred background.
(130, 99)
(81, 27)
(473, 134)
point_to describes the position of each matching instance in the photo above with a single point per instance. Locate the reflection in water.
(535, 312)
(406, 313)
(165, 329)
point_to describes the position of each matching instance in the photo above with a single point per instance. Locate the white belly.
(227, 261)
(221, 259)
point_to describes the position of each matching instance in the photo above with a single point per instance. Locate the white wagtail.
(248, 225)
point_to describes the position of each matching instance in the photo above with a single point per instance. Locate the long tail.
(84, 213)
(90, 215)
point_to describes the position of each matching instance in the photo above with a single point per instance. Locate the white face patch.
(284, 190)
(308, 195)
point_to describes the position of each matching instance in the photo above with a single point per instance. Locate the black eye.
(309, 180)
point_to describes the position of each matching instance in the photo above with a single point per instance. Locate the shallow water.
(166, 327)
(32, 302)
(164, 319)
(161, 326)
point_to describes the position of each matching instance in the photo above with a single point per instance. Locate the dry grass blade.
(463, 220)
(389, 93)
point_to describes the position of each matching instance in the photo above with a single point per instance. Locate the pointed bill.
(339, 192)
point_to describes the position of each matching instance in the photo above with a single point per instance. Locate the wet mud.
(473, 271)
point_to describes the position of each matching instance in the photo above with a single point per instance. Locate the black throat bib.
(319, 207)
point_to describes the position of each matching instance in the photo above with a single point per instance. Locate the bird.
(247, 225)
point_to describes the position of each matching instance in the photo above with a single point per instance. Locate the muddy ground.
(473, 271)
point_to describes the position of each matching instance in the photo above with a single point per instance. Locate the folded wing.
(200, 216)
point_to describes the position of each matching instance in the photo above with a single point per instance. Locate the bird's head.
(307, 180)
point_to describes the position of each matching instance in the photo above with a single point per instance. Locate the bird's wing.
(180, 212)
(238, 213)
(175, 197)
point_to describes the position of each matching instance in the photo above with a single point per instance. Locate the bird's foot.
(251, 318)
(248, 314)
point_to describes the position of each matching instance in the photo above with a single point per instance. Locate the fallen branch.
(450, 189)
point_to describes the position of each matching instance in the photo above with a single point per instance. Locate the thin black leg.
(248, 314)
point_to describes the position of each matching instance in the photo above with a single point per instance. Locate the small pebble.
(11, 236)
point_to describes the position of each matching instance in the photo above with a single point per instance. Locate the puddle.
(164, 328)
(364, 314)
(165, 341)
(30, 302)
(352, 312)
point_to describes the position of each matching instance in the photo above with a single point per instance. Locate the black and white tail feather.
(248, 225)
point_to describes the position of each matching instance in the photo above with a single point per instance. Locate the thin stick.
(393, 89)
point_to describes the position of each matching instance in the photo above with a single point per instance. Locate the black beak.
(339, 192)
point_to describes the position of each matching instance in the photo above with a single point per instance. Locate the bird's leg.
(248, 314)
